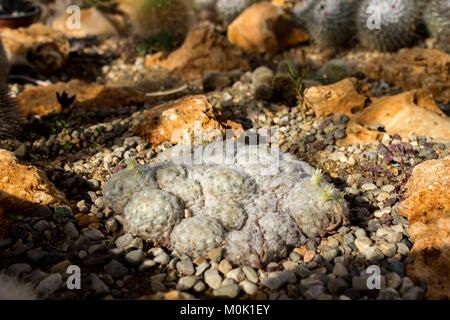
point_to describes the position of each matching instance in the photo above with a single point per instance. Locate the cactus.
(301, 11)
(11, 122)
(151, 18)
(387, 25)
(331, 22)
(254, 201)
(228, 10)
(437, 19)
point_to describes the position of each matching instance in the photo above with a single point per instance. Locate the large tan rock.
(92, 23)
(22, 189)
(412, 112)
(42, 100)
(413, 68)
(177, 122)
(427, 209)
(203, 50)
(261, 28)
(38, 46)
(409, 112)
(348, 96)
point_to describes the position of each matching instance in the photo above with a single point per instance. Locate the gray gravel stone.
(19, 268)
(251, 274)
(314, 292)
(202, 268)
(236, 274)
(49, 285)
(340, 270)
(231, 291)
(337, 285)
(35, 255)
(225, 266)
(147, 264)
(135, 257)
(213, 278)
(100, 288)
(71, 231)
(200, 286)
(94, 235)
(186, 283)
(162, 258)
(124, 241)
(248, 287)
(275, 280)
(402, 249)
(41, 226)
(116, 269)
(415, 293)
(393, 280)
(185, 267)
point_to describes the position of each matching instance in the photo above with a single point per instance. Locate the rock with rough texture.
(262, 29)
(203, 50)
(43, 100)
(38, 46)
(268, 201)
(413, 111)
(177, 122)
(22, 189)
(92, 23)
(409, 69)
(427, 208)
(347, 97)
(409, 112)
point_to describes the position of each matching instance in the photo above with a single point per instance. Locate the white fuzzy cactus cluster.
(254, 201)
(12, 289)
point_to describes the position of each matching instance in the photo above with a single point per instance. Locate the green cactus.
(437, 19)
(331, 22)
(387, 25)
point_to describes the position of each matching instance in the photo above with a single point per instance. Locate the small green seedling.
(298, 82)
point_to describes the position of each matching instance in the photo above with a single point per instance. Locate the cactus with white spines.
(387, 25)
(331, 22)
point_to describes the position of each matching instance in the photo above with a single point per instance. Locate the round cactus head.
(387, 25)
(331, 22)
(152, 18)
(437, 19)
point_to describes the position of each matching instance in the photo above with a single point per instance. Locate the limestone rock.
(412, 111)
(92, 23)
(409, 69)
(203, 50)
(42, 100)
(427, 209)
(22, 189)
(262, 28)
(409, 112)
(38, 46)
(348, 97)
(176, 121)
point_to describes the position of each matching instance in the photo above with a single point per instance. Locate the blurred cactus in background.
(331, 22)
(387, 25)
